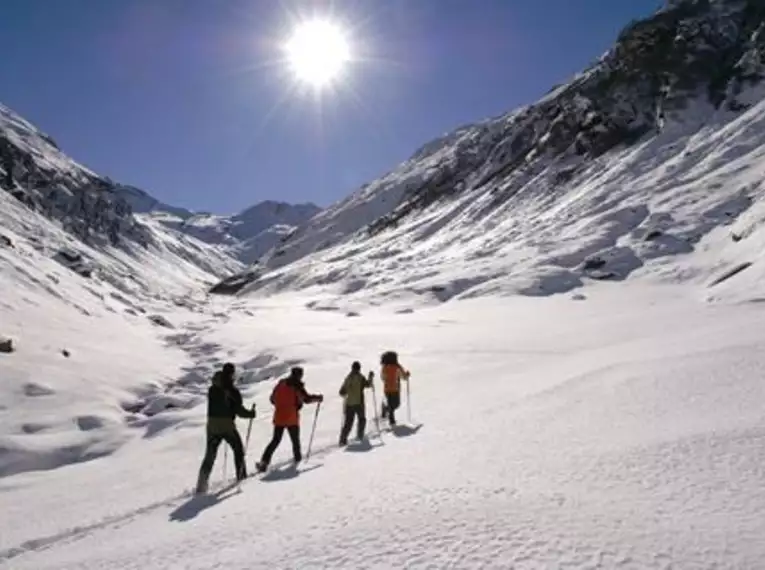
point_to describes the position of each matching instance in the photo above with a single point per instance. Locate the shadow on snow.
(286, 471)
(199, 503)
(404, 430)
(289, 472)
(361, 446)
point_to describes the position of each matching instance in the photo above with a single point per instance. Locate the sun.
(317, 52)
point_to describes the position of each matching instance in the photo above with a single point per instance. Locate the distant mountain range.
(247, 235)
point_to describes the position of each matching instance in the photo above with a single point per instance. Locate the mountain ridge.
(690, 70)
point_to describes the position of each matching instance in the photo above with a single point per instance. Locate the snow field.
(625, 430)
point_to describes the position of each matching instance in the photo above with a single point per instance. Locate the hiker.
(224, 403)
(392, 373)
(355, 408)
(288, 398)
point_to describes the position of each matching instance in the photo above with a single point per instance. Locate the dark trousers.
(351, 413)
(393, 402)
(294, 432)
(213, 442)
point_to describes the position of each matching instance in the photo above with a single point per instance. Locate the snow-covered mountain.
(639, 157)
(247, 236)
(54, 208)
(618, 426)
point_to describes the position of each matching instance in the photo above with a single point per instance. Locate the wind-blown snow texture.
(616, 424)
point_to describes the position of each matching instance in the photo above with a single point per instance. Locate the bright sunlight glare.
(317, 52)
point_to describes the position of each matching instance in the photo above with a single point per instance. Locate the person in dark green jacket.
(224, 403)
(355, 408)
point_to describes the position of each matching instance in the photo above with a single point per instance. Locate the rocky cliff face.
(708, 50)
(66, 212)
(37, 173)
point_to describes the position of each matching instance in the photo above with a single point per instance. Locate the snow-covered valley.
(625, 430)
(576, 287)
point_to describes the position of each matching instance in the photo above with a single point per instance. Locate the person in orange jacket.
(392, 373)
(287, 397)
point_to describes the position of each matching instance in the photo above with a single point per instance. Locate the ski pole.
(225, 460)
(313, 430)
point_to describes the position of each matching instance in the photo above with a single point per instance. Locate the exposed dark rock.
(75, 261)
(85, 204)
(160, 321)
(653, 234)
(6, 345)
(593, 263)
(232, 285)
(690, 51)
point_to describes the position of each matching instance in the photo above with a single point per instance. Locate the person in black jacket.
(224, 403)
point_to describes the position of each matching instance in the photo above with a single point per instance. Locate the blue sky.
(182, 98)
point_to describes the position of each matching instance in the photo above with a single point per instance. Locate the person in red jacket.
(288, 398)
(392, 373)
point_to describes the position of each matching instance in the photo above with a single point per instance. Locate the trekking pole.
(249, 431)
(377, 417)
(313, 430)
(408, 403)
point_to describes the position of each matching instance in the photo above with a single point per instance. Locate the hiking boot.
(261, 467)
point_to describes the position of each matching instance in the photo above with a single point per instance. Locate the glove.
(342, 391)
(320, 398)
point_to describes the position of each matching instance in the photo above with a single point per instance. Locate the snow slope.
(84, 290)
(630, 163)
(624, 431)
(55, 408)
(636, 214)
